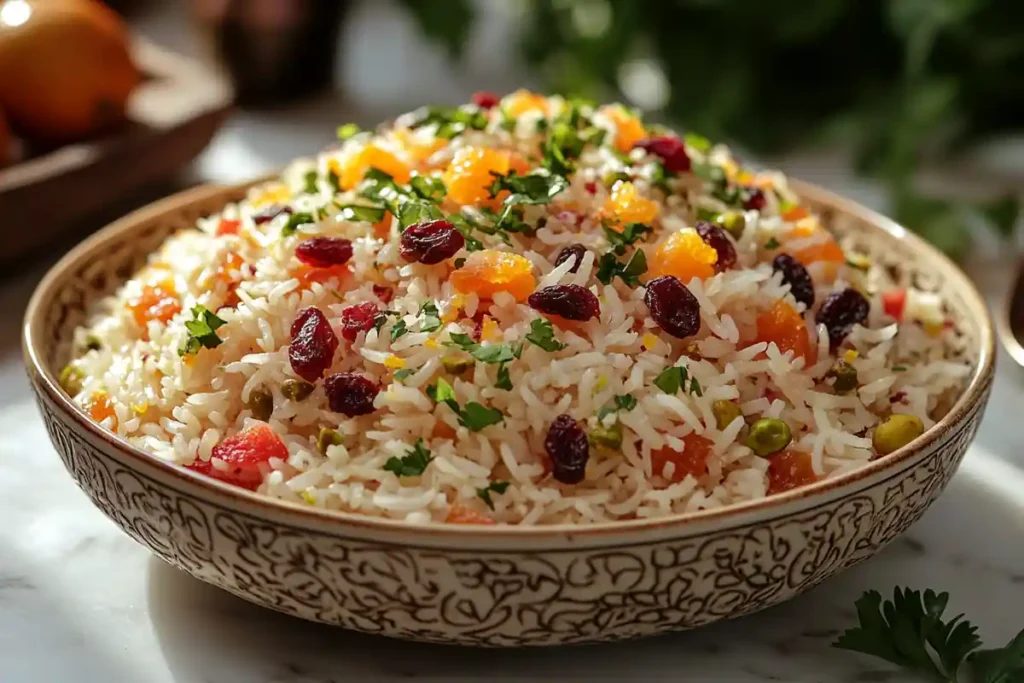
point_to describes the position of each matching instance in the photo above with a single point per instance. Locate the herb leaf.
(400, 329)
(609, 267)
(485, 493)
(542, 334)
(629, 235)
(538, 187)
(485, 353)
(623, 402)
(403, 373)
(357, 212)
(672, 379)
(202, 331)
(294, 221)
(431, 317)
(411, 465)
(450, 121)
(347, 131)
(476, 416)
(1004, 665)
(504, 381)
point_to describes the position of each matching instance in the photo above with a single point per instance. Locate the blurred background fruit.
(65, 68)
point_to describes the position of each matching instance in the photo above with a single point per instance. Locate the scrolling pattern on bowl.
(497, 589)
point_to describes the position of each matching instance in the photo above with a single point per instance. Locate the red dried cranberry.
(313, 344)
(796, 276)
(430, 242)
(566, 444)
(358, 318)
(572, 251)
(350, 394)
(571, 302)
(755, 199)
(670, 150)
(269, 213)
(383, 293)
(590, 186)
(324, 252)
(485, 99)
(718, 239)
(673, 306)
(840, 312)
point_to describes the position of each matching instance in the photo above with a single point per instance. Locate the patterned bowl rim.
(802, 498)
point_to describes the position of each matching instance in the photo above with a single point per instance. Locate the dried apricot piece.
(243, 453)
(416, 147)
(488, 272)
(470, 173)
(789, 469)
(523, 101)
(155, 302)
(784, 326)
(823, 249)
(628, 129)
(685, 255)
(626, 205)
(353, 169)
(692, 460)
(100, 408)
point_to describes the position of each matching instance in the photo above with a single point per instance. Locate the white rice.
(180, 408)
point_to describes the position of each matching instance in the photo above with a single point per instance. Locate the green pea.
(328, 438)
(70, 380)
(768, 435)
(455, 365)
(845, 376)
(261, 404)
(296, 389)
(896, 432)
(606, 437)
(725, 412)
(733, 222)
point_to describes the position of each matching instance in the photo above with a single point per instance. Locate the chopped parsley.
(474, 416)
(431, 317)
(428, 187)
(504, 380)
(569, 133)
(202, 331)
(294, 221)
(542, 334)
(382, 318)
(537, 187)
(771, 244)
(357, 212)
(411, 465)
(609, 267)
(485, 353)
(400, 329)
(347, 131)
(409, 205)
(403, 373)
(623, 402)
(450, 121)
(309, 182)
(498, 487)
(674, 378)
(627, 237)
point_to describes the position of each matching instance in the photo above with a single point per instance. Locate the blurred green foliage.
(898, 81)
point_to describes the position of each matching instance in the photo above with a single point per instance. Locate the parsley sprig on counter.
(909, 631)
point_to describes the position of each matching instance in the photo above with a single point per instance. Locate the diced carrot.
(442, 430)
(156, 302)
(307, 275)
(228, 227)
(893, 303)
(692, 460)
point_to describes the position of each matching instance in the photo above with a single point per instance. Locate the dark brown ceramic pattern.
(493, 587)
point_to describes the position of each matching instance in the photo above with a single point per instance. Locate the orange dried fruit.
(351, 170)
(789, 469)
(488, 272)
(784, 326)
(155, 302)
(100, 408)
(692, 460)
(685, 255)
(628, 128)
(523, 101)
(472, 170)
(823, 249)
(626, 205)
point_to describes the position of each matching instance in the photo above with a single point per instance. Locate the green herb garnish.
(495, 486)
(309, 182)
(672, 379)
(428, 187)
(411, 465)
(609, 267)
(542, 334)
(474, 417)
(698, 142)
(347, 131)
(537, 187)
(294, 221)
(629, 235)
(403, 373)
(400, 329)
(771, 244)
(624, 402)
(485, 353)
(504, 381)
(450, 121)
(202, 331)
(358, 212)
(431, 317)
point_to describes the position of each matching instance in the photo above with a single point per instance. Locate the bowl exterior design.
(494, 587)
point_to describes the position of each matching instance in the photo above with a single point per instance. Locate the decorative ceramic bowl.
(497, 586)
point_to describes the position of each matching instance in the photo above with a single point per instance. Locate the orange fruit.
(823, 249)
(156, 302)
(471, 173)
(488, 272)
(628, 129)
(784, 326)
(65, 68)
(686, 255)
(100, 408)
(353, 169)
(626, 205)
(789, 469)
(523, 101)
(693, 460)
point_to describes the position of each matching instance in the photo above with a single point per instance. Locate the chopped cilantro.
(309, 182)
(695, 387)
(403, 373)
(442, 392)
(495, 486)
(672, 379)
(416, 211)
(356, 212)
(333, 179)
(450, 121)
(202, 331)
(623, 402)
(428, 187)
(399, 330)
(608, 268)
(382, 318)
(538, 187)
(431, 317)
(474, 417)
(411, 465)
(504, 380)
(627, 237)
(349, 130)
(698, 142)
(294, 221)
(542, 334)
(771, 244)
(485, 353)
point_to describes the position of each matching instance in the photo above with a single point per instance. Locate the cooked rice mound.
(425, 384)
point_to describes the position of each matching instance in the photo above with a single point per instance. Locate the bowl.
(498, 586)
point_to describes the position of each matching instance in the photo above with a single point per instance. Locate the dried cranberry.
(840, 312)
(485, 99)
(383, 293)
(358, 318)
(269, 213)
(673, 306)
(313, 344)
(755, 199)
(590, 186)
(324, 252)
(430, 242)
(572, 251)
(670, 150)
(796, 276)
(571, 302)
(718, 239)
(350, 394)
(567, 446)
